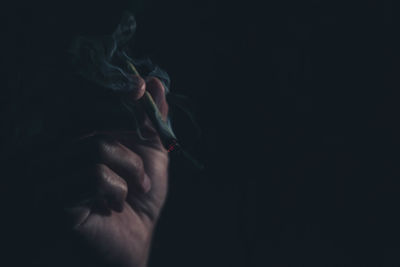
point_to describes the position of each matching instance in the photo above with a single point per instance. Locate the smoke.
(104, 59)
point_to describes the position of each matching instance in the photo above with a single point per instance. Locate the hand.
(113, 188)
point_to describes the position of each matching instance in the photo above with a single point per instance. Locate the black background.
(298, 106)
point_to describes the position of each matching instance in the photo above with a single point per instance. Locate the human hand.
(113, 188)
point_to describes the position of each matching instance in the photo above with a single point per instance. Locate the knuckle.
(122, 188)
(138, 163)
(104, 179)
(103, 148)
(100, 173)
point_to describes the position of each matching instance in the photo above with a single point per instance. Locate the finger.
(140, 86)
(120, 159)
(157, 90)
(125, 163)
(110, 187)
(97, 183)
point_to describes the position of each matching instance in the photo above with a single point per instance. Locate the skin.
(113, 187)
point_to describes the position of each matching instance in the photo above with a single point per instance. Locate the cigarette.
(167, 137)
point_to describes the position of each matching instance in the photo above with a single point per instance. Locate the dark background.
(298, 106)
